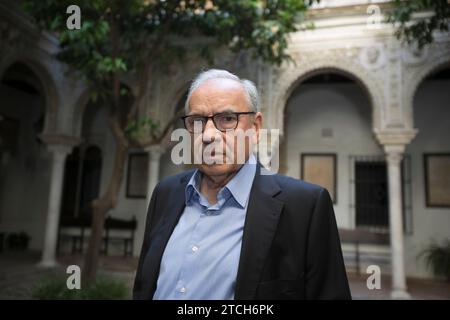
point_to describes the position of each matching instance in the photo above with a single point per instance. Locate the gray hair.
(248, 86)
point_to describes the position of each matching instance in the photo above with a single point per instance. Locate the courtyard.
(20, 273)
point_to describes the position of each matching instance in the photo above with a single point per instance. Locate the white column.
(154, 155)
(394, 155)
(58, 153)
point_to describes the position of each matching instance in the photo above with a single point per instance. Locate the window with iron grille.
(369, 195)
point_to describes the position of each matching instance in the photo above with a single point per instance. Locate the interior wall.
(431, 118)
(330, 118)
(24, 172)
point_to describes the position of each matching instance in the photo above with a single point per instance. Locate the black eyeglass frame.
(206, 118)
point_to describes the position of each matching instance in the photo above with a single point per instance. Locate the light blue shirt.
(202, 256)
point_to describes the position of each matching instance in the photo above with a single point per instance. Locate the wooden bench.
(80, 224)
(362, 236)
(111, 225)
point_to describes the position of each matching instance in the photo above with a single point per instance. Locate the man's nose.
(210, 132)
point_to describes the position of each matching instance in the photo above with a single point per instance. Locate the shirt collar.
(239, 186)
(192, 186)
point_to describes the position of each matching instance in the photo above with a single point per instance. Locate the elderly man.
(226, 231)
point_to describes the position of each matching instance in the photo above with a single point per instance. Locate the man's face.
(217, 96)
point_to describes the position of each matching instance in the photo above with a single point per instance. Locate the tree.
(420, 31)
(126, 37)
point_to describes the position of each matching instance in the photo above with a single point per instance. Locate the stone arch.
(181, 84)
(167, 106)
(290, 77)
(47, 81)
(78, 111)
(179, 95)
(82, 101)
(417, 78)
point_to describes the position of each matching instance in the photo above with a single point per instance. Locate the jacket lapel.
(263, 213)
(261, 221)
(162, 235)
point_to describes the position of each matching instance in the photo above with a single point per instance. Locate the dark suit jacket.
(290, 246)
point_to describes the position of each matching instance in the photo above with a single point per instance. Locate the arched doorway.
(84, 166)
(89, 170)
(329, 141)
(24, 163)
(430, 154)
(81, 182)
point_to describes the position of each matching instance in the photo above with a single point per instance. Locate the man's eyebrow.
(228, 109)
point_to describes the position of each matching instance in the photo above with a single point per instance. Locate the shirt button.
(182, 289)
(194, 248)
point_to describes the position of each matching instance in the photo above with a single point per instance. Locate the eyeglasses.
(222, 121)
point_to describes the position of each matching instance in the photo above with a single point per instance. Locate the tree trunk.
(100, 207)
(99, 212)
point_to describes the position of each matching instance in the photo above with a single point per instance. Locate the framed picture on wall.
(137, 175)
(320, 168)
(437, 179)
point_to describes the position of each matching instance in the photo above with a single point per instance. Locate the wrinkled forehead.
(217, 95)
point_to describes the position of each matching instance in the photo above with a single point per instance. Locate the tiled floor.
(19, 274)
(418, 289)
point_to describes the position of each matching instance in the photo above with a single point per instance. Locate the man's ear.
(257, 125)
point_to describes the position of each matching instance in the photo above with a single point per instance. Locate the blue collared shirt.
(202, 256)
